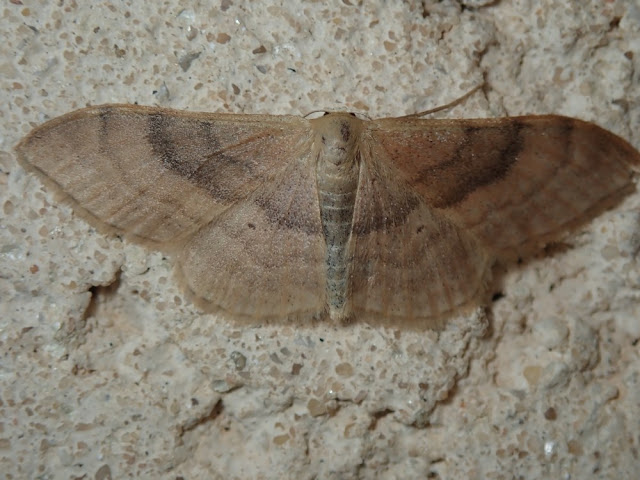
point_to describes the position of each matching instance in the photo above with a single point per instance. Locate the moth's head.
(338, 135)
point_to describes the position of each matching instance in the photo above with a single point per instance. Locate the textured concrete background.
(108, 372)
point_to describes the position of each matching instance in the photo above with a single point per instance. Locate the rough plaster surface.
(107, 372)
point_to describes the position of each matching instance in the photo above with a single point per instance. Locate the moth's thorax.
(338, 137)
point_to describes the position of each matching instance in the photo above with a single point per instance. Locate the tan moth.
(398, 219)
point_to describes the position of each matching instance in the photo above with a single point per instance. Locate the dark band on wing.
(378, 207)
(283, 208)
(159, 136)
(466, 171)
(203, 160)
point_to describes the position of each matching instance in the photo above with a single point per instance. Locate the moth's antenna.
(324, 112)
(446, 106)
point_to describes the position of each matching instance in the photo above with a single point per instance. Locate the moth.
(276, 217)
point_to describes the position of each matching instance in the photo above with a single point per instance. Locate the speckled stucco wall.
(107, 371)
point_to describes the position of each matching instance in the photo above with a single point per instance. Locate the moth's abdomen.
(337, 194)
